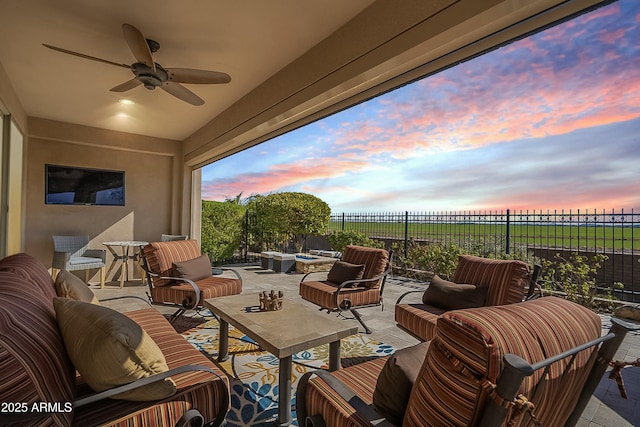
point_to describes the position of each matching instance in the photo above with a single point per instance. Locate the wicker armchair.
(72, 253)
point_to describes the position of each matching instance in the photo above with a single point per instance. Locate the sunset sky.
(548, 122)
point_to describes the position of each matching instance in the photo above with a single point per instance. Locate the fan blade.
(181, 92)
(82, 55)
(138, 45)
(128, 85)
(188, 75)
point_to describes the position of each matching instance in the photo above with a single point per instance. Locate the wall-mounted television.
(70, 185)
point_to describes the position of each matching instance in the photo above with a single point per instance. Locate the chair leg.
(359, 319)
(175, 316)
(86, 277)
(103, 276)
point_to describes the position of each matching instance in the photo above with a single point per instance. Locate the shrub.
(575, 278)
(221, 229)
(281, 217)
(434, 258)
(339, 240)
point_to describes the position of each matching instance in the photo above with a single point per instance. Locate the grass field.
(600, 237)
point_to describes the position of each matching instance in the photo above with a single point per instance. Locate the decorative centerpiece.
(271, 301)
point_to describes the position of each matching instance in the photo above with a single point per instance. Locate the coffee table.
(296, 327)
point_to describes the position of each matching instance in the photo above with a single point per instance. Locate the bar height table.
(123, 256)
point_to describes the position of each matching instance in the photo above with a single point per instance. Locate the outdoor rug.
(253, 373)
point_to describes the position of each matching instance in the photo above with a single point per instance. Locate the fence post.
(508, 234)
(342, 221)
(406, 233)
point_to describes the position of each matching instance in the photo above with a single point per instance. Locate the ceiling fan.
(151, 74)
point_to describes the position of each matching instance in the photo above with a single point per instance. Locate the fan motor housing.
(149, 78)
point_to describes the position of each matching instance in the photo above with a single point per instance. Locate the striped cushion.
(478, 339)
(375, 261)
(506, 279)
(210, 287)
(161, 256)
(361, 378)
(323, 294)
(418, 319)
(199, 390)
(34, 366)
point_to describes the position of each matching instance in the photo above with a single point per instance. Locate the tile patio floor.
(606, 408)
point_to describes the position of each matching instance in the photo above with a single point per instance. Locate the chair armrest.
(141, 382)
(231, 270)
(409, 293)
(123, 297)
(96, 253)
(344, 391)
(60, 260)
(195, 287)
(312, 272)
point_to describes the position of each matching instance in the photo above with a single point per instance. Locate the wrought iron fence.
(544, 234)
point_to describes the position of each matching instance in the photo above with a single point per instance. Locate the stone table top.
(296, 327)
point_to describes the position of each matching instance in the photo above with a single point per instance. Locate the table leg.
(284, 394)
(223, 340)
(124, 268)
(334, 355)
(114, 262)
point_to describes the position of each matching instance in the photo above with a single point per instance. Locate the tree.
(280, 217)
(222, 226)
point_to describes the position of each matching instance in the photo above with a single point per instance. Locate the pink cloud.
(280, 176)
(565, 197)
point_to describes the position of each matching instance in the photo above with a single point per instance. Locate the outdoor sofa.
(46, 339)
(476, 282)
(531, 363)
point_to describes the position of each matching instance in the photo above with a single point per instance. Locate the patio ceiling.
(249, 40)
(319, 56)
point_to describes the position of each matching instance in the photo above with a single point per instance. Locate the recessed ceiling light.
(126, 101)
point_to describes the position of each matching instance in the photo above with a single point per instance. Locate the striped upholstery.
(200, 390)
(479, 338)
(475, 340)
(419, 319)
(34, 366)
(160, 257)
(506, 280)
(323, 293)
(375, 261)
(210, 287)
(322, 399)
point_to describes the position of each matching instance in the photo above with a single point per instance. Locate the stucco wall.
(151, 179)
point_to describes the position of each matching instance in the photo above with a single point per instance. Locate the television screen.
(66, 185)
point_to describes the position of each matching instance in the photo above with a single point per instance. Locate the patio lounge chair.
(356, 281)
(531, 363)
(500, 281)
(72, 253)
(179, 275)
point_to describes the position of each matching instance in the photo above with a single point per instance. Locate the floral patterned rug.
(253, 373)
